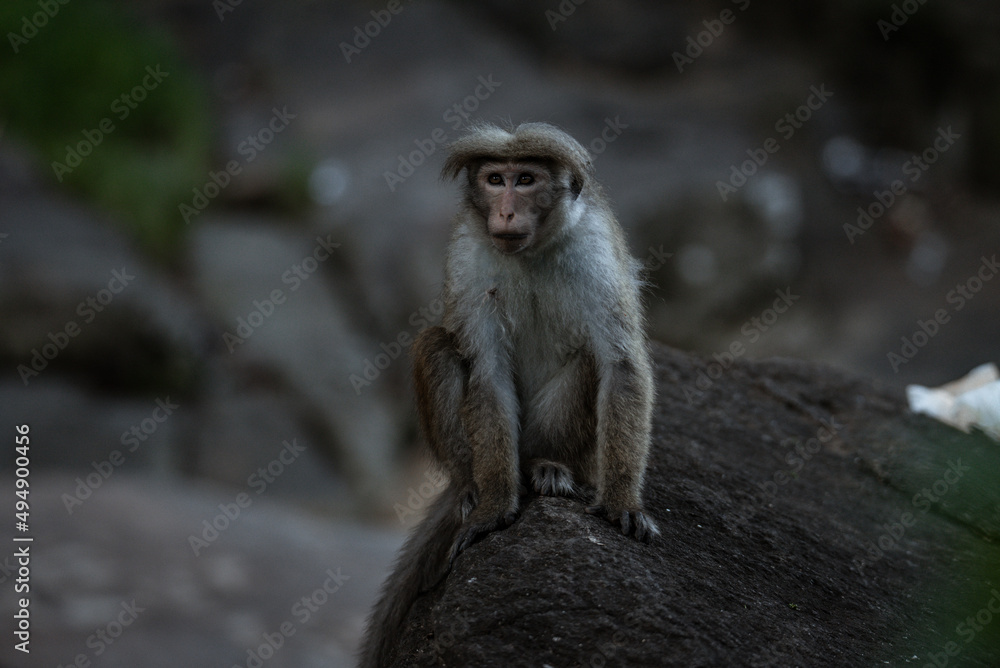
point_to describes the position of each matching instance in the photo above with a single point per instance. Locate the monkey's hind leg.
(557, 442)
(550, 478)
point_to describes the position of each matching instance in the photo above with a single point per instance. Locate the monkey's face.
(514, 197)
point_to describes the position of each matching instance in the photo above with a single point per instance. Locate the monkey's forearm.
(492, 436)
(623, 424)
(625, 401)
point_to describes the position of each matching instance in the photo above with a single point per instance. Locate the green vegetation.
(111, 109)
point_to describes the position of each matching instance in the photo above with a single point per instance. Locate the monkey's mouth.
(509, 242)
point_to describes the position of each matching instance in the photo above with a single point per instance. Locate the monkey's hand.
(632, 521)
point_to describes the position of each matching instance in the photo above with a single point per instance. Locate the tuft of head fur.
(527, 142)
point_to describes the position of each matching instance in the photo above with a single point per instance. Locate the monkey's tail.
(422, 563)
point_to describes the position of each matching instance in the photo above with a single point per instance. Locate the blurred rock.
(278, 319)
(93, 334)
(73, 289)
(637, 36)
(80, 428)
(119, 581)
(724, 257)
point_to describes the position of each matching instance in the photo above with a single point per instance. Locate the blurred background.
(221, 222)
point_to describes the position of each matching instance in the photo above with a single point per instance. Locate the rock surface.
(808, 520)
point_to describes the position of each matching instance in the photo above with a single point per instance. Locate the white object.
(971, 400)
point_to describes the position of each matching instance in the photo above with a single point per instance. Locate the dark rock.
(795, 533)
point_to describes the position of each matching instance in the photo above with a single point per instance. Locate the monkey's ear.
(583, 170)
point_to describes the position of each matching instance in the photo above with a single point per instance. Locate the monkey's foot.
(475, 531)
(550, 478)
(632, 521)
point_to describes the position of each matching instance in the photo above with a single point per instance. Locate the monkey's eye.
(525, 179)
(494, 180)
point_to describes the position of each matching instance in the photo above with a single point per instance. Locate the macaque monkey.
(539, 375)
